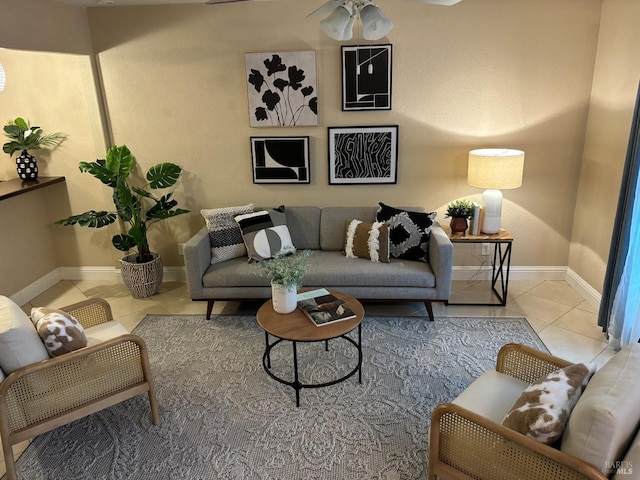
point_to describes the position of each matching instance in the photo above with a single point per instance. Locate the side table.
(502, 242)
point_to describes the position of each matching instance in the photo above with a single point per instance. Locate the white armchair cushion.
(104, 331)
(20, 344)
(605, 419)
(491, 395)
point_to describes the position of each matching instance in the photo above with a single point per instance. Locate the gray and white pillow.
(224, 232)
(265, 233)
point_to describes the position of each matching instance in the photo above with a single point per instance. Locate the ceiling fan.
(342, 15)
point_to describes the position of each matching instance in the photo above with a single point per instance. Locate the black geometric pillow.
(408, 231)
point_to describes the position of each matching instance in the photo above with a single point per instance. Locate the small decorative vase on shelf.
(27, 166)
(284, 298)
(458, 225)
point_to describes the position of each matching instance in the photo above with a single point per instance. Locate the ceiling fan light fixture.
(374, 24)
(337, 23)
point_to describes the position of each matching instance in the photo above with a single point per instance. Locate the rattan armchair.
(464, 445)
(45, 395)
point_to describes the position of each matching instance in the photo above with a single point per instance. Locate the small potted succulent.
(286, 271)
(24, 137)
(459, 211)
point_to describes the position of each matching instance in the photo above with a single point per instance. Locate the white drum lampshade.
(494, 169)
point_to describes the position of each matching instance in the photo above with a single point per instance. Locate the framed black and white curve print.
(282, 89)
(280, 159)
(366, 77)
(363, 155)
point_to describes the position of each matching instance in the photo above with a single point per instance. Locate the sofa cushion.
(408, 232)
(225, 236)
(491, 395)
(332, 221)
(543, 408)
(606, 417)
(59, 331)
(20, 344)
(367, 240)
(265, 233)
(331, 270)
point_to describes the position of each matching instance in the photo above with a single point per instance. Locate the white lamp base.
(492, 202)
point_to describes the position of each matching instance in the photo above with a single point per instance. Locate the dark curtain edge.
(621, 227)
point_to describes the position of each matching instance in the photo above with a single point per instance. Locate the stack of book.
(476, 219)
(323, 308)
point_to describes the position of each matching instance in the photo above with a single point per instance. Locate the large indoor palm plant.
(138, 208)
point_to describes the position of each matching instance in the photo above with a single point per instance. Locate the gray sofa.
(322, 230)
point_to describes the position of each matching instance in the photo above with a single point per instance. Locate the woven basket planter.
(142, 279)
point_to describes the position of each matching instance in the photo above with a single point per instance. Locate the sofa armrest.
(441, 260)
(197, 258)
(464, 445)
(91, 312)
(526, 363)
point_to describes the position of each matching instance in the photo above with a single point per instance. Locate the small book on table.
(323, 308)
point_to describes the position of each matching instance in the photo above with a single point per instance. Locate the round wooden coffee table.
(297, 327)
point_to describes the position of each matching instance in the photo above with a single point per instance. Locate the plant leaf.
(100, 171)
(120, 161)
(91, 219)
(123, 242)
(163, 175)
(21, 123)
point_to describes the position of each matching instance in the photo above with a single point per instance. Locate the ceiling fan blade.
(215, 2)
(437, 2)
(327, 7)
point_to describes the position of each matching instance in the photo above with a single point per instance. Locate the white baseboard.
(590, 294)
(515, 273)
(100, 274)
(177, 274)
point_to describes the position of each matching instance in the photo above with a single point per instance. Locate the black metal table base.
(296, 384)
(501, 261)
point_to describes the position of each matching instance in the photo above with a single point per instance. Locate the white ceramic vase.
(284, 298)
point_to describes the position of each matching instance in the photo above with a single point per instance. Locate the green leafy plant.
(460, 209)
(135, 206)
(24, 136)
(286, 268)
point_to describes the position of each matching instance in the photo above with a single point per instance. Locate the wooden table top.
(501, 237)
(296, 326)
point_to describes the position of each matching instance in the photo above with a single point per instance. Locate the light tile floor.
(565, 322)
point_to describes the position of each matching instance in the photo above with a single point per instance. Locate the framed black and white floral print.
(280, 159)
(366, 77)
(282, 89)
(363, 155)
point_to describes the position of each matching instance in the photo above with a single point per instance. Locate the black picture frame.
(363, 155)
(366, 77)
(280, 159)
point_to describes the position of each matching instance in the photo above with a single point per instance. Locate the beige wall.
(43, 25)
(479, 74)
(615, 84)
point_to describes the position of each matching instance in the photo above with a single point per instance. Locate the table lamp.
(494, 169)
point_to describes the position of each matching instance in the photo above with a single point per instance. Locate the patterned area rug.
(224, 418)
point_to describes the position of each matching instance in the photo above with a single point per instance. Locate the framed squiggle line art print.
(363, 155)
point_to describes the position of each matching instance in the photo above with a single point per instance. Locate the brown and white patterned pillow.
(543, 409)
(59, 331)
(367, 240)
